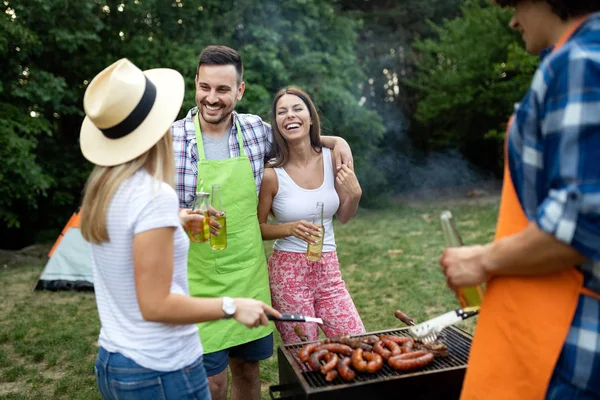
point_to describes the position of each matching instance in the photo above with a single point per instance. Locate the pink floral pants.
(314, 289)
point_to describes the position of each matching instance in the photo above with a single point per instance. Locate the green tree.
(469, 76)
(51, 49)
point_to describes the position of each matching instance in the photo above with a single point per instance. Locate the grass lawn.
(48, 340)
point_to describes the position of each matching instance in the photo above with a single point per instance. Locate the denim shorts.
(257, 350)
(121, 378)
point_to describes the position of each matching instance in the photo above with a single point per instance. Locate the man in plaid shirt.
(554, 162)
(241, 269)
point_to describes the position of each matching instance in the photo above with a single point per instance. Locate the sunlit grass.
(48, 340)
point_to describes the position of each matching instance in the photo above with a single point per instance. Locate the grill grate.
(458, 344)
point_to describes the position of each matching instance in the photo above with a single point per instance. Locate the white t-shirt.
(293, 203)
(140, 204)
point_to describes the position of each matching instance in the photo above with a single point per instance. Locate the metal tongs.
(430, 329)
(297, 318)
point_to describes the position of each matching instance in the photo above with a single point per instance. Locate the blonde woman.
(149, 345)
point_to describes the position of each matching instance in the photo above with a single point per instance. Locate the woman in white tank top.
(301, 175)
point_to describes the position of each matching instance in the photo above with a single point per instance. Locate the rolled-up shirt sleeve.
(571, 140)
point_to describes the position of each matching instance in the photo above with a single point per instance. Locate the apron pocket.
(240, 253)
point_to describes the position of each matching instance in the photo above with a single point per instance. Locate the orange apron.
(523, 321)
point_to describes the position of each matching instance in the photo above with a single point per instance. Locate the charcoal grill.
(442, 379)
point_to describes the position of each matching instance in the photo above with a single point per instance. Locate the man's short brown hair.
(563, 8)
(222, 55)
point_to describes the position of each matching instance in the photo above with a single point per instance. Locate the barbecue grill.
(442, 379)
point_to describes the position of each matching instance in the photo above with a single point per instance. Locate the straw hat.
(128, 111)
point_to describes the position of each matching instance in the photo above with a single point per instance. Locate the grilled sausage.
(404, 318)
(306, 350)
(396, 339)
(408, 346)
(299, 329)
(437, 348)
(371, 339)
(331, 360)
(344, 370)
(380, 349)
(409, 361)
(331, 375)
(337, 348)
(358, 362)
(392, 346)
(375, 362)
(315, 359)
(337, 338)
(357, 343)
(387, 348)
(366, 361)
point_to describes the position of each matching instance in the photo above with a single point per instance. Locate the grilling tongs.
(431, 328)
(296, 318)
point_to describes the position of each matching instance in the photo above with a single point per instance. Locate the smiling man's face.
(217, 92)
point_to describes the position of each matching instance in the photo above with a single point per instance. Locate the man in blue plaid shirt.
(554, 161)
(218, 145)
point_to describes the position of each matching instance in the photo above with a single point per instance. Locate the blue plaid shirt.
(554, 160)
(258, 139)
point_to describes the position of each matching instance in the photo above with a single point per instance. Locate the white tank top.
(293, 203)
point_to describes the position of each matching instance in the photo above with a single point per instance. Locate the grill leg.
(289, 387)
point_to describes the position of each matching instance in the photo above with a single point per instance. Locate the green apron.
(241, 269)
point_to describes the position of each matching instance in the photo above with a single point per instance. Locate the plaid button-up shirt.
(258, 139)
(554, 159)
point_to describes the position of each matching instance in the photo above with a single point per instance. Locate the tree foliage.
(51, 49)
(390, 77)
(468, 78)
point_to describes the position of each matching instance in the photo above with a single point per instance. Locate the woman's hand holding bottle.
(305, 231)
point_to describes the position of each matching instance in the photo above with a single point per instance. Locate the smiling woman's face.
(293, 117)
(531, 19)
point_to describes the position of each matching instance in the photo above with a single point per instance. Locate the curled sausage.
(387, 348)
(331, 375)
(306, 350)
(381, 350)
(374, 362)
(344, 370)
(337, 348)
(315, 359)
(392, 346)
(358, 362)
(331, 360)
(408, 361)
(366, 361)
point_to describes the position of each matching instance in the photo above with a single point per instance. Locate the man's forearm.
(331, 141)
(347, 209)
(530, 252)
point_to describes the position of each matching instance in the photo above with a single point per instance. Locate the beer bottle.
(471, 296)
(198, 231)
(218, 242)
(314, 251)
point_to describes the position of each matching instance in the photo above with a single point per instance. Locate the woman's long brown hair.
(280, 152)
